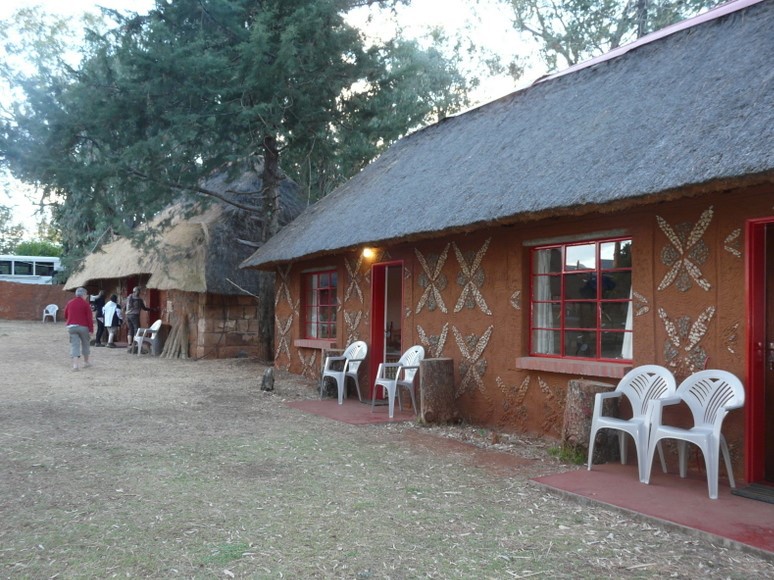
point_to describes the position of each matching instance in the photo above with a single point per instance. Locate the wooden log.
(436, 390)
(578, 410)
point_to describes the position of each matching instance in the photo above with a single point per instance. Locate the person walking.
(134, 305)
(80, 324)
(113, 318)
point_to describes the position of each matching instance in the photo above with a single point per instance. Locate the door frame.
(378, 308)
(755, 415)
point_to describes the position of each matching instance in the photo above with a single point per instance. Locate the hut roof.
(688, 108)
(199, 250)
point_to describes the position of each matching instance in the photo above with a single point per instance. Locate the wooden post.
(436, 392)
(579, 408)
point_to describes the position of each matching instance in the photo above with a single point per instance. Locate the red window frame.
(320, 304)
(558, 294)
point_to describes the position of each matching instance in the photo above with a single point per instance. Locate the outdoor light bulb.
(368, 253)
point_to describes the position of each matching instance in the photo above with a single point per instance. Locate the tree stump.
(436, 390)
(578, 410)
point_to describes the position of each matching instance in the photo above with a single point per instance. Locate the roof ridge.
(709, 15)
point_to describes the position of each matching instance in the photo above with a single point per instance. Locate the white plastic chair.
(405, 371)
(640, 386)
(144, 335)
(710, 395)
(349, 363)
(50, 311)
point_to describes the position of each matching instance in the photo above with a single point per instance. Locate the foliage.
(160, 101)
(567, 453)
(570, 31)
(10, 234)
(38, 248)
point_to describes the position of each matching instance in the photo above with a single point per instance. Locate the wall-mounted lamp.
(368, 253)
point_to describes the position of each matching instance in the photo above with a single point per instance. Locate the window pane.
(44, 268)
(5, 267)
(580, 315)
(580, 286)
(612, 344)
(22, 268)
(614, 315)
(546, 288)
(547, 315)
(616, 285)
(616, 254)
(323, 281)
(581, 257)
(547, 261)
(580, 344)
(546, 342)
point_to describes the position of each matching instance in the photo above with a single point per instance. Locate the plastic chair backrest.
(411, 358)
(155, 326)
(356, 350)
(644, 384)
(51, 309)
(710, 395)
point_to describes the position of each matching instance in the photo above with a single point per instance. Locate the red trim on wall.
(755, 418)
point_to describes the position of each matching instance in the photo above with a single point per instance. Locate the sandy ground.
(147, 467)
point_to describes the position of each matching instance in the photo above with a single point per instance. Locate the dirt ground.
(154, 468)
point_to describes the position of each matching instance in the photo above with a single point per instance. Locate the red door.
(759, 451)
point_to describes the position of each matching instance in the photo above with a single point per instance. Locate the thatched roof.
(200, 253)
(691, 107)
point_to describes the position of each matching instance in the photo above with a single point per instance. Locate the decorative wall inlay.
(513, 406)
(283, 285)
(352, 321)
(283, 338)
(516, 300)
(407, 312)
(472, 366)
(682, 350)
(432, 279)
(731, 337)
(353, 270)
(309, 366)
(552, 422)
(733, 243)
(471, 278)
(640, 304)
(433, 344)
(687, 252)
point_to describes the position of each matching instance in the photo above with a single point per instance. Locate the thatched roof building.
(209, 306)
(201, 247)
(539, 247)
(647, 120)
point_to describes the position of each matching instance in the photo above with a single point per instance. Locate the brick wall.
(27, 301)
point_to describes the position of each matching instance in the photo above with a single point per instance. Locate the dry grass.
(144, 467)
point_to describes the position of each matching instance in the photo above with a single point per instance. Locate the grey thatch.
(199, 250)
(693, 108)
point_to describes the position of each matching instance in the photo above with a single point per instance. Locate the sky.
(486, 22)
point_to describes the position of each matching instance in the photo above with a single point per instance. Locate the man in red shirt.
(80, 324)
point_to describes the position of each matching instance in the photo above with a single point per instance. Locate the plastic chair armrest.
(331, 359)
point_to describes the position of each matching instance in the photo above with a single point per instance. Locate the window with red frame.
(581, 300)
(319, 306)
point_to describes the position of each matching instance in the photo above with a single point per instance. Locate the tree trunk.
(436, 391)
(271, 187)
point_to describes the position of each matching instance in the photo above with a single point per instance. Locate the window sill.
(318, 343)
(584, 368)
